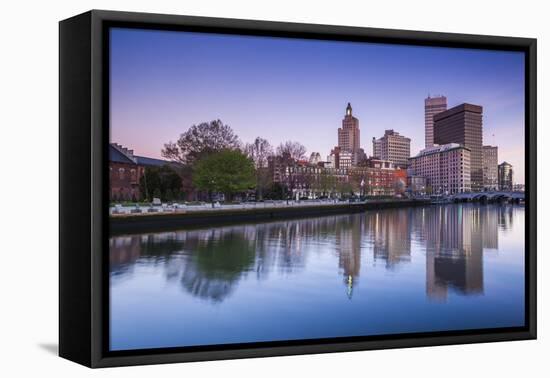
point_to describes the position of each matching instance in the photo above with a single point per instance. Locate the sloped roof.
(142, 160)
(118, 157)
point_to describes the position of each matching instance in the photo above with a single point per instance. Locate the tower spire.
(348, 109)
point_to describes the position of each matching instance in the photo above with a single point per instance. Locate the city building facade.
(432, 106)
(505, 176)
(346, 160)
(446, 168)
(393, 147)
(463, 125)
(490, 168)
(303, 180)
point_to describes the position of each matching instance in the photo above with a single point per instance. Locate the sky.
(163, 82)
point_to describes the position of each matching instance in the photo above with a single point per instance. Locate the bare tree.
(295, 150)
(200, 140)
(259, 151)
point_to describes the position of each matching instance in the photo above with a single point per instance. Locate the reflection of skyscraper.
(505, 217)
(391, 236)
(432, 106)
(489, 223)
(348, 240)
(458, 262)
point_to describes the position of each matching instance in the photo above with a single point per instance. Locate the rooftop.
(459, 109)
(440, 148)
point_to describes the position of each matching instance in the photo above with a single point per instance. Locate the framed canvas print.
(233, 188)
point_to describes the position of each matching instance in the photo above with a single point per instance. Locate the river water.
(418, 269)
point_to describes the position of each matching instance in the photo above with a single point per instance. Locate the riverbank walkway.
(119, 210)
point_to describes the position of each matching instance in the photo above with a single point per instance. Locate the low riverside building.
(125, 172)
(446, 168)
(379, 178)
(416, 185)
(375, 177)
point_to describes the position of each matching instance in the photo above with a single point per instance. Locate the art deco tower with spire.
(348, 134)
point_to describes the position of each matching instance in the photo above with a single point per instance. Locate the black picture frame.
(83, 181)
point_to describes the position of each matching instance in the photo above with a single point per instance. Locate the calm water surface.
(451, 267)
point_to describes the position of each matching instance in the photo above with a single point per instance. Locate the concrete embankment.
(156, 222)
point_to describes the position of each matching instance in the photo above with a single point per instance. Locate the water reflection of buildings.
(348, 247)
(209, 264)
(391, 235)
(455, 238)
(505, 217)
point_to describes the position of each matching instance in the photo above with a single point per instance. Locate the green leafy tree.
(169, 195)
(157, 181)
(228, 172)
(327, 182)
(276, 191)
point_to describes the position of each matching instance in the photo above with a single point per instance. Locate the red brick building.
(125, 171)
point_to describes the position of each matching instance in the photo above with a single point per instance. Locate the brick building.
(125, 172)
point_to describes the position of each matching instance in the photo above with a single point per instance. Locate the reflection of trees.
(217, 265)
(210, 263)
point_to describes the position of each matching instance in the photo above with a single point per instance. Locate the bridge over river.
(497, 196)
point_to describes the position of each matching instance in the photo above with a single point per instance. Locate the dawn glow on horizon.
(163, 82)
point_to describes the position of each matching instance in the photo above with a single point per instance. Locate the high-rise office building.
(432, 106)
(505, 176)
(463, 125)
(349, 135)
(490, 167)
(393, 147)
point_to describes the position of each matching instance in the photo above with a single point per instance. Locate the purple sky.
(162, 82)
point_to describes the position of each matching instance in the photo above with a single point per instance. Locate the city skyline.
(289, 89)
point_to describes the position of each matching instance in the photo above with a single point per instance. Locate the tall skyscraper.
(349, 136)
(463, 124)
(393, 147)
(505, 176)
(490, 167)
(432, 106)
